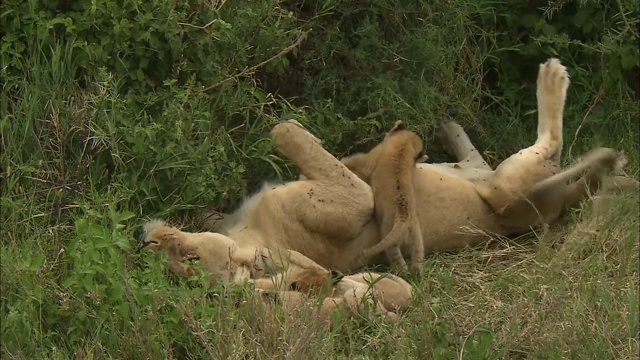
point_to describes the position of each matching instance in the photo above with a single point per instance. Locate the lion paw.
(297, 123)
(553, 82)
(606, 158)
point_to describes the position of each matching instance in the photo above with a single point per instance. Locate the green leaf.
(529, 20)
(122, 243)
(548, 30)
(126, 215)
(36, 263)
(629, 60)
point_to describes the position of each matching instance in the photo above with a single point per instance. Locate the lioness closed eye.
(390, 169)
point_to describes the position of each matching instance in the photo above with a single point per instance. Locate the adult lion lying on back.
(328, 216)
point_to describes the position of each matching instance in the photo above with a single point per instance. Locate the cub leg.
(417, 251)
(394, 254)
(391, 242)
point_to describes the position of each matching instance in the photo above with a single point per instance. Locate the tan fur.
(289, 300)
(221, 256)
(390, 169)
(217, 253)
(514, 179)
(310, 280)
(386, 294)
(394, 293)
(329, 216)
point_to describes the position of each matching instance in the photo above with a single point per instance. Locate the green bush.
(114, 111)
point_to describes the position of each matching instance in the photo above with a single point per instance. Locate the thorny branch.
(284, 51)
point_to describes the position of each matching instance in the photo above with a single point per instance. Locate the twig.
(199, 333)
(285, 51)
(460, 357)
(624, 18)
(374, 114)
(198, 26)
(593, 105)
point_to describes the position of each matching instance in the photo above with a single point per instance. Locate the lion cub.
(390, 169)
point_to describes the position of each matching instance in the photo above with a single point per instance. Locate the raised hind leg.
(515, 177)
(552, 84)
(332, 201)
(457, 143)
(305, 150)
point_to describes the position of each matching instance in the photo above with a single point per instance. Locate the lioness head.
(218, 254)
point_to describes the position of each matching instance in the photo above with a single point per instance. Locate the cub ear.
(421, 157)
(270, 296)
(397, 127)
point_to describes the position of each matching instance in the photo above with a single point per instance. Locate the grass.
(569, 293)
(84, 161)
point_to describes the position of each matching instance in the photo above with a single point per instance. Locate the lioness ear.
(148, 244)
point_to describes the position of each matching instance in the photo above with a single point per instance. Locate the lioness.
(328, 217)
(390, 169)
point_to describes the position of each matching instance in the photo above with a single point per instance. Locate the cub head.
(313, 280)
(363, 164)
(309, 281)
(400, 133)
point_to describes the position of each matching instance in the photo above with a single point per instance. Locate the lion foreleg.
(276, 261)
